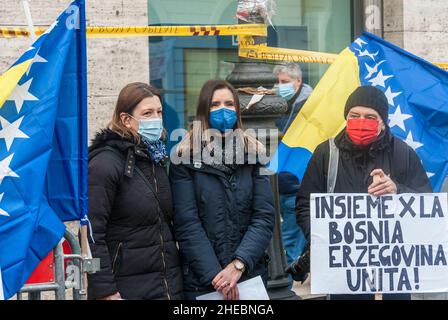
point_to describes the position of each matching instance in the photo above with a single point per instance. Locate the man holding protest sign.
(364, 158)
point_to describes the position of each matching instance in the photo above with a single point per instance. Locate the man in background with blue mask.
(295, 92)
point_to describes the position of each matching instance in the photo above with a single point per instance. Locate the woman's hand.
(115, 296)
(231, 293)
(225, 282)
(382, 184)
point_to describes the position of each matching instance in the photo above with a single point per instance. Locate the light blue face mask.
(286, 91)
(150, 129)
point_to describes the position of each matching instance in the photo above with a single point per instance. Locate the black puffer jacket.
(219, 217)
(389, 153)
(139, 257)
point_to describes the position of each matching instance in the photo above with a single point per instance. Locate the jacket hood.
(107, 137)
(302, 94)
(305, 92)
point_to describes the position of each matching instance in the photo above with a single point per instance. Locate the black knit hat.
(370, 97)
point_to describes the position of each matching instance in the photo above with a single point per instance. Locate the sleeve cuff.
(246, 265)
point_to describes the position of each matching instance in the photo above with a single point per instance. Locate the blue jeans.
(293, 238)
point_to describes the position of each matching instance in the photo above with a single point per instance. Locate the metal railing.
(71, 277)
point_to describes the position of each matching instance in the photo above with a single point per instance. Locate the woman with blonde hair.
(223, 206)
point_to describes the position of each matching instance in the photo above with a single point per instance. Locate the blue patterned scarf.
(156, 150)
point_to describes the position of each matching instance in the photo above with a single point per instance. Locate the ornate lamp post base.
(262, 116)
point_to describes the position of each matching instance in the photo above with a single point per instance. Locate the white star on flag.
(360, 42)
(5, 170)
(11, 131)
(3, 212)
(373, 70)
(413, 144)
(391, 96)
(430, 174)
(380, 80)
(37, 59)
(397, 119)
(366, 53)
(21, 94)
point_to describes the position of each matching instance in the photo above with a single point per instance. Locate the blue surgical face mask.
(286, 91)
(150, 129)
(223, 119)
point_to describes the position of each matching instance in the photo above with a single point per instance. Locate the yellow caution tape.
(262, 52)
(247, 49)
(154, 31)
(442, 65)
(13, 32)
(179, 31)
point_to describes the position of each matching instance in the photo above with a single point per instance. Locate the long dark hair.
(205, 101)
(203, 115)
(128, 99)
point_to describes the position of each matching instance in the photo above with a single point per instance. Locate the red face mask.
(362, 131)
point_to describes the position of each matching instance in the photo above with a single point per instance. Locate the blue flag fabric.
(43, 147)
(418, 99)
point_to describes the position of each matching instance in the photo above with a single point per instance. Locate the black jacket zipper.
(161, 238)
(117, 252)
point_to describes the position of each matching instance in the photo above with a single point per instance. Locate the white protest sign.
(361, 244)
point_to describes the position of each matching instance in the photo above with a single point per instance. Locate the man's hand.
(225, 282)
(300, 268)
(382, 184)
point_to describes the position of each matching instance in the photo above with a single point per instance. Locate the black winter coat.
(139, 257)
(389, 153)
(220, 217)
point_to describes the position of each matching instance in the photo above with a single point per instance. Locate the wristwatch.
(239, 265)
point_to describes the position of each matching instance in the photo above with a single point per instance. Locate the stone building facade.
(419, 26)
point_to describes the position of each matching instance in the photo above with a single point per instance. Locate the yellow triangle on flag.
(322, 116)
(10, 79)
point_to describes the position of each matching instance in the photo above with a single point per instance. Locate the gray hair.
(290, 68)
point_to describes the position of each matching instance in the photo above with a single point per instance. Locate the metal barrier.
(65, 277)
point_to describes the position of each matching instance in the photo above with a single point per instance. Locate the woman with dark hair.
(130, 205)
(223, 210)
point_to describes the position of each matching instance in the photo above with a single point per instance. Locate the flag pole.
(82, 65)
(29, 19)
(85, 248)
(2, 297)
(82, 69)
